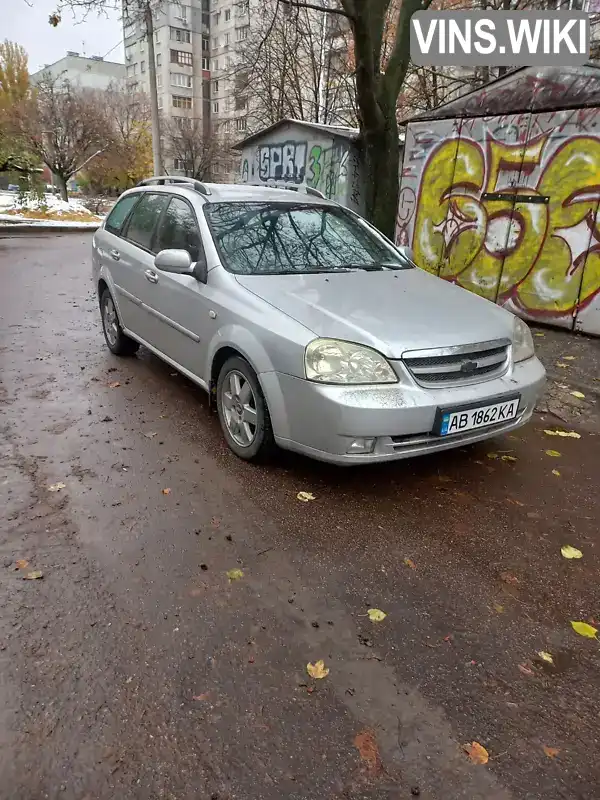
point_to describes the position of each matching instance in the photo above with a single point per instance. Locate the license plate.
(467, 419)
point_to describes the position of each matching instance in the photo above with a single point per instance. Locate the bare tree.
(63, 126)
(294, 64)
(187, 141)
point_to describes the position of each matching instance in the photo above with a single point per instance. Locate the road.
(135, 668)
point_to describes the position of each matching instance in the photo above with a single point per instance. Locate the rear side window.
(144, 218)
(118, 215)
(179, 229)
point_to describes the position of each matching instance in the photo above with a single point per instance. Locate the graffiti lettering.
(282, 162)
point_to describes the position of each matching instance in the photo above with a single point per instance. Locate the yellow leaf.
(546, 656)
(408, 562)
(569, 358)
(551, 752)
(305, 497)
(33, 576)
(579, 395)
(570, 552)
(318, 670)
(539, 334)
(476, 752)
(166, 491)
(375, 615)
(56, 487)
(22, 563)
(556, 472)
(583, 629)
(564, 434)
(561, 365)
(553, 453)
(508, 458)
(492, 455)
(234, 574)
(498, 608)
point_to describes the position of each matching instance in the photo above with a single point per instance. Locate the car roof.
(238, 192)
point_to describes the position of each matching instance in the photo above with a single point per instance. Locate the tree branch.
(322, 9)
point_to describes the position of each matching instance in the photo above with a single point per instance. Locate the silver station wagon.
(310, 330)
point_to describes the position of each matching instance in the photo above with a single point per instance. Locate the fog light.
(361, 445)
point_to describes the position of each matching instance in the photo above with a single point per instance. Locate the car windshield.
(284, 238)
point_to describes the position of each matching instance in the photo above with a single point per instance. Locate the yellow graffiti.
(543, 255)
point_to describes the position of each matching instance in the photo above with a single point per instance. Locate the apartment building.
(181, 49)
(90, 73)
(229, 28)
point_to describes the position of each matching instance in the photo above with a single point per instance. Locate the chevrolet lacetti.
(309, 329)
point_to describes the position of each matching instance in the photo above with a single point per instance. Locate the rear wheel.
(118, 342)
(243, 411)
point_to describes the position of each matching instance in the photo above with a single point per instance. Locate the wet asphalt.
(135, 668)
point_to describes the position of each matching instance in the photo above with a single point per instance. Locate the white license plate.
(480, 417)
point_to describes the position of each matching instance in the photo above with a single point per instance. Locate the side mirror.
(406, 251)
(178, 261)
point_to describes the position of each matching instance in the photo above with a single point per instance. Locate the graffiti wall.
(508, 206)
(295, 155)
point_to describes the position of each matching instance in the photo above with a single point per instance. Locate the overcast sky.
(28, 26)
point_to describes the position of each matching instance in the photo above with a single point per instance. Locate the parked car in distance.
(310, 329)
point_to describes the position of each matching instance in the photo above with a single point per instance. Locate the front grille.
(458, 365)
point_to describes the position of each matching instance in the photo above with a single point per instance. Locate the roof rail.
(162, 180)
(303, 188)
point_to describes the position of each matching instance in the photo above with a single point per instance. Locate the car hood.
(391, 311)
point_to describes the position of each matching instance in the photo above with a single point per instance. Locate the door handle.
(151, 276)
(115, 255)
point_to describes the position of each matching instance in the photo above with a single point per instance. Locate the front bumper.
(321, 421)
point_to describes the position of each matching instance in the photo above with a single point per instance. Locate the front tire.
(117, 342)
(243, 412)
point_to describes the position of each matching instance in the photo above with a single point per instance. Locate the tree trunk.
(382, 164)
(62, 186)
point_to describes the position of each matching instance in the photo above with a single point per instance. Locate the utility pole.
(154, 117)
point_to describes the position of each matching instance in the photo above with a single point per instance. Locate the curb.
(21, 229)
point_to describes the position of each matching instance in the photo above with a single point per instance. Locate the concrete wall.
(537, 253)
(86, 72)
(296, 155)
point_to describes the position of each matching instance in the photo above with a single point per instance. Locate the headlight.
(333, 361)
(522, 341)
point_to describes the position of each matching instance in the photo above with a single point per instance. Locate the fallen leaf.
(444, 479)
(570, 552)
(166, 491)
(56, 487)
(583, 629)
(318, 670)
(561, 365)
(476, 752)
(551, 752)
(564, 434)
(202, 696)
(525, 669)
(305, 497)
(569, 358)
(234, 574)
(114, 385)
(150, 435)
(408, 562)
(508, 577)
(514, 502)
(33, 576)
(556, 472)
(366, 744)
(553, 453)
(492, 455)
(539, 334)
(579, 395)
(508, 458)
(498, 608)
(22, 563)
(545, 656)
(376, 615)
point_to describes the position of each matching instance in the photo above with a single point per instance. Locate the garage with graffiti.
(500, 193)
